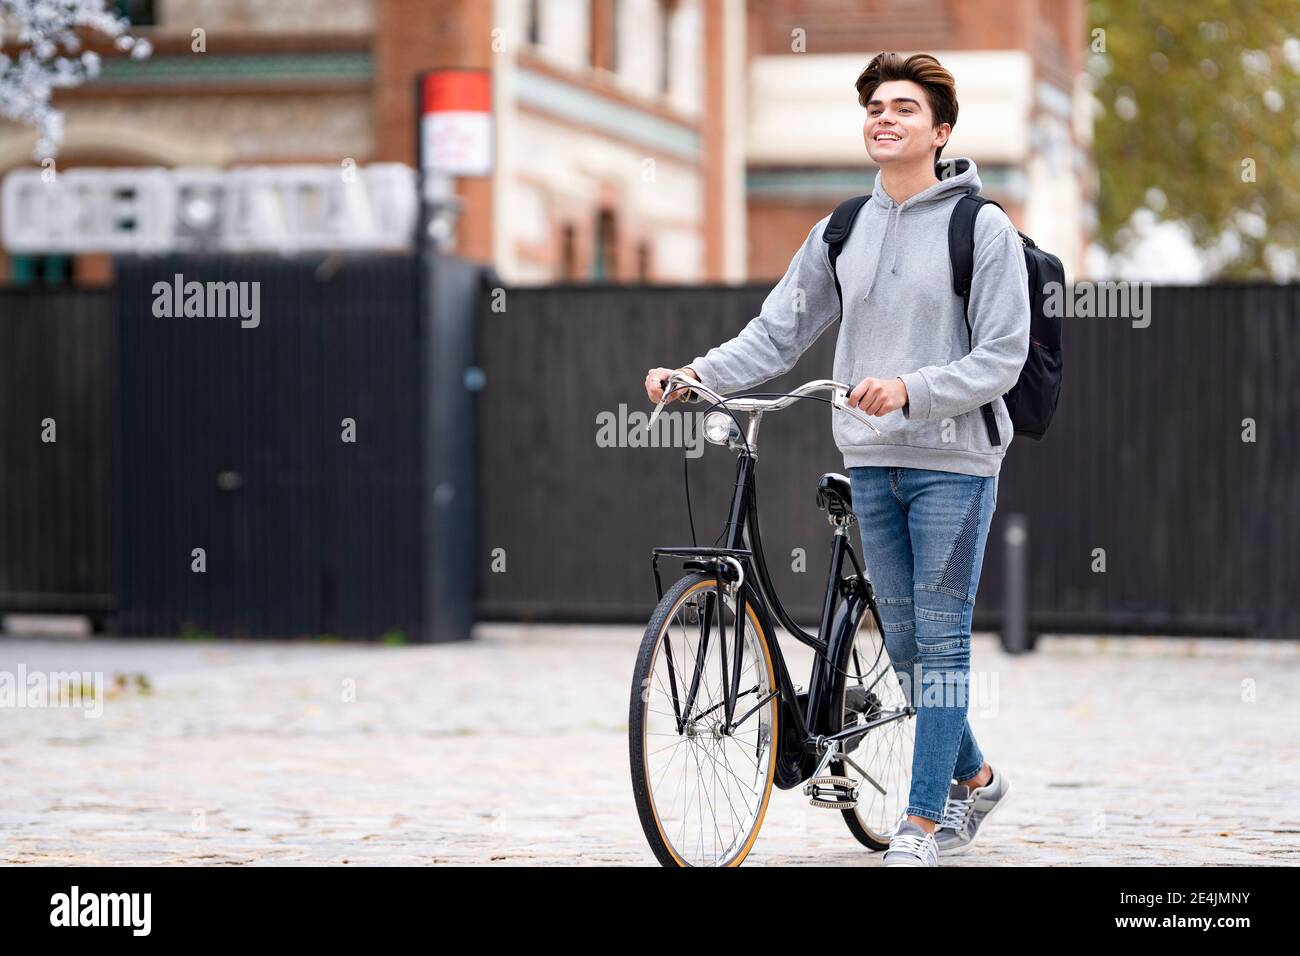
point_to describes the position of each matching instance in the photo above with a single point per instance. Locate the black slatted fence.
(1145, 465)
(56, 387)
(230, 441)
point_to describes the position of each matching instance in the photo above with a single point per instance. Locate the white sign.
(259, 208)
(457, 143)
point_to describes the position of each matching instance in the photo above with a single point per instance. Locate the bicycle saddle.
(834, 494)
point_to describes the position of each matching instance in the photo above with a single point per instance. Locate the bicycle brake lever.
(651, 424)
(663, 383)
(840, 397)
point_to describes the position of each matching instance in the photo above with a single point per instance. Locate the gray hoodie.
(901, 318)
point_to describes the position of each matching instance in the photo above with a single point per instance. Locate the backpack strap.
(961, 250)
(837, 230)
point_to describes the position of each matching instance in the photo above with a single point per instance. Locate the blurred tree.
(43, 52)
(1197, 120)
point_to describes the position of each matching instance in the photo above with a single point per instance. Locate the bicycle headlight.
(719, 428)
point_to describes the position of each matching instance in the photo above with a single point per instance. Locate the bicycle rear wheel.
(701, 792)
(868, 691)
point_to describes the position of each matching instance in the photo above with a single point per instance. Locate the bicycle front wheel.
(701, 788)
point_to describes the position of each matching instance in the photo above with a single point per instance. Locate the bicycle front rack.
(729, 564)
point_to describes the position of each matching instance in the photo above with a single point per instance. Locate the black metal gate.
(286, 451)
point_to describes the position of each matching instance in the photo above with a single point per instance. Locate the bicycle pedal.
(832, 792)
(833, 804)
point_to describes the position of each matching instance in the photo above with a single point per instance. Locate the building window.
(535, 22)
(611, 32)
(643, 260)
(140, 13)
(604, 264)
(568, 253)
(604, 34)
(666, 10)
(42, 270)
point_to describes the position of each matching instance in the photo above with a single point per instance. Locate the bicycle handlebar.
(839, 395)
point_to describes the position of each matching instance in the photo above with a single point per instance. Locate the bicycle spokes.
(708, 775)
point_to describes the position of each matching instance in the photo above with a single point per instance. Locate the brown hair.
(923, 70)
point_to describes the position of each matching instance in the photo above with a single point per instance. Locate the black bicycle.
(715, 720)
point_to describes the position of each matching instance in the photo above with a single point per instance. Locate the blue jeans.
(923, 536)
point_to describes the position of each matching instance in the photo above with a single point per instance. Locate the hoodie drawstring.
(960, 176)
(898, 223)
(891, 220)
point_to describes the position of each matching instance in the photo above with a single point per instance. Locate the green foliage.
(393, 637)
(1188, 94)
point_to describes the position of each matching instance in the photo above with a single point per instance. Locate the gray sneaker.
(910, 845)
(965, 810)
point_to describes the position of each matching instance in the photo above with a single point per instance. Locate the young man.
(924, 491)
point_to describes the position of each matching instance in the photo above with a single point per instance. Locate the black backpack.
(1032, 400)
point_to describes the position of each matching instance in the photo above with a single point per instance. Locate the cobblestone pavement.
(512, 749)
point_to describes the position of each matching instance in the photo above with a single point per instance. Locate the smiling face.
(899, 125)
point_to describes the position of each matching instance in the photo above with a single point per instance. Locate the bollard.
(1015, 585)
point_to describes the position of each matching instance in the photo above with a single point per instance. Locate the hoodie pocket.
(848, 431)
(1006, 430)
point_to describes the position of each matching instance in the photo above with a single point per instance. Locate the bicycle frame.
(804, 737)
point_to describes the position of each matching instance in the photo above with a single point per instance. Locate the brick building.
(635, 140)
(1022, 117)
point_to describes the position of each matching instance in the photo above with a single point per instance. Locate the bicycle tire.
(674, 601)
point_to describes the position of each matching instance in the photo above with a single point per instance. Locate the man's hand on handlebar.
(654, 384)
(878, 396)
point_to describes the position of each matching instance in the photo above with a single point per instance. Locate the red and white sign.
(456, 122)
